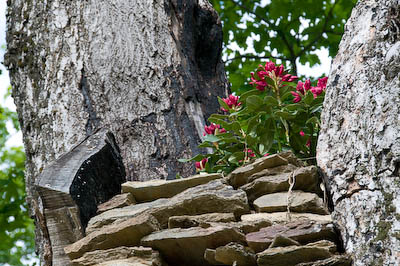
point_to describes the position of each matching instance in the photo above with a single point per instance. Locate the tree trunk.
(359, 144)
(150, 71)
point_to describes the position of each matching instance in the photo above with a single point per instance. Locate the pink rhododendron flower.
(250, 153)
(302, 89)
(320, 87)
(265, 155)
(322, 82)
(308, 144)
(302, 133)
(272, 71)
(297, 97)
(232, 102)
(213, 129)
(201, 165)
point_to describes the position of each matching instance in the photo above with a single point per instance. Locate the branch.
(306, 48)
(255, 57)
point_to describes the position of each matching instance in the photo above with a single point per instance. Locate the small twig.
(292, 181)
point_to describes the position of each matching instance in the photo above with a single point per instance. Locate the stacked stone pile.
(240, 219)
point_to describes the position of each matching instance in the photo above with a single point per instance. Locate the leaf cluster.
(288, 30)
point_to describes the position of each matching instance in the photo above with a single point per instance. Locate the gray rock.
(338, 260)
(235, 252)
(127, 233)
(302, 231)
(156, 189)
(214, 196)
(209, 256)
(306, 179)
(248, 227)
(301, 202)
(281, 217)
(187, 246)
(240, 175)
(286, 168)
(282, 241)
(292, 255)
(118, 201)
(137, 254)
(187, 221)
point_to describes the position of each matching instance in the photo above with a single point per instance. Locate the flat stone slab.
(215, 196)
(337, 260)
(232, 252)
(301, 202)
(156, 189)
(292, 255)
(118, 201)
(187, 221)
(144, 255)
(127, 233)
(240, 175)
(182, 247)
(306, 179)
(281, 217)
(209, 256)
(302, 231)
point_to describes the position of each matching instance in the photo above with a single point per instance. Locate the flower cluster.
(201, 165)
(270, 70)
(263, 121)
(302, 89)
(213, 129)
(232, 101)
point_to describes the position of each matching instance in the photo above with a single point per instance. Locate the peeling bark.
(149, 70)
(359, 145)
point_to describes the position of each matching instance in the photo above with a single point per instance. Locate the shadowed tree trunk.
(149, 70)
(359, 145)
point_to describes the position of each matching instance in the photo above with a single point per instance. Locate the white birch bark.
(359, 145)
(149, 70)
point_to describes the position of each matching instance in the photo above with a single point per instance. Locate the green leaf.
(196, 158)
(254, 102)
(313, 120)
(252, 123)
(284, 115)
(243, 97)
(223, 104)
(309, 98)
(211, 138)
(269, 100)
(236, 157)
(267, 139)
(218, 116)
(220, 122)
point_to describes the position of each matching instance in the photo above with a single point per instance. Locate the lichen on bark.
(359, 145)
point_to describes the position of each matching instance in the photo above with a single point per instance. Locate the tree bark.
(359, 145)
(149, 71)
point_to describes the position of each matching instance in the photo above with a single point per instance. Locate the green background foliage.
(17, 229)
(289, 31)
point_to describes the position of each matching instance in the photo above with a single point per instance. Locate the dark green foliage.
(288, 30)
(17, 229)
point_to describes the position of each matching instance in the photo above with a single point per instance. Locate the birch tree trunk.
(359, 145)
(149, 70)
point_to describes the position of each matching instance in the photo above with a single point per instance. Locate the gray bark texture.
(359, 145)
(148, 70)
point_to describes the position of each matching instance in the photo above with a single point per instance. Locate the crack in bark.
(93, 121)
(349, 194)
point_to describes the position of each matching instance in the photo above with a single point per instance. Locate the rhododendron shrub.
(279, 114)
